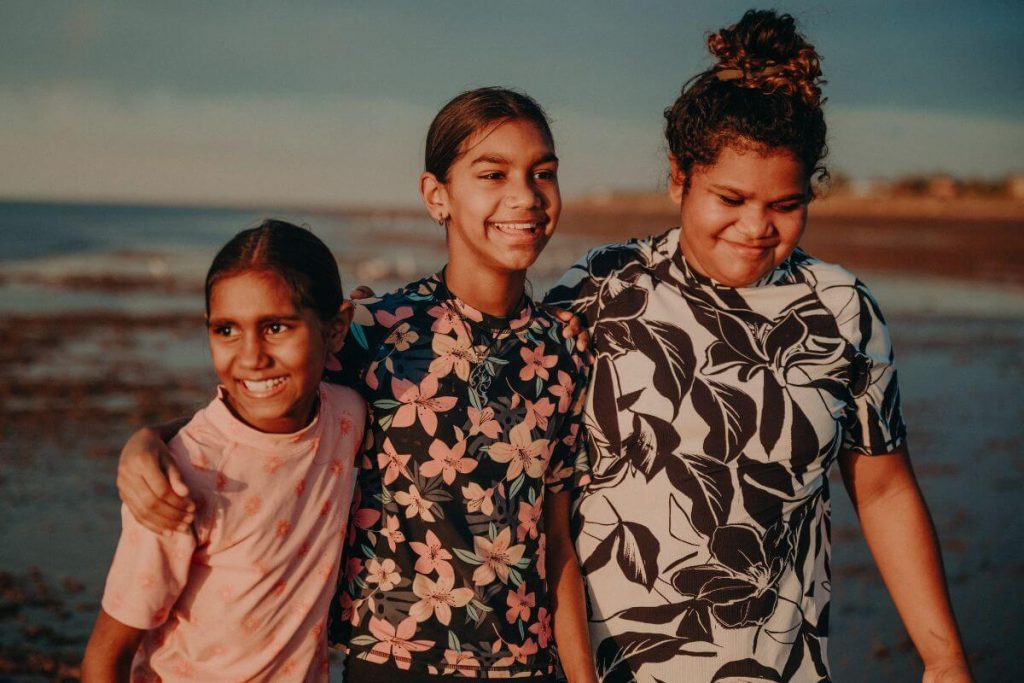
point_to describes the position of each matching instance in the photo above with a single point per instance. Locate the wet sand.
(74, 383)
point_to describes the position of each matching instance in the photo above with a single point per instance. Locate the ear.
(338, 329)
(435, 197)
(676, 180)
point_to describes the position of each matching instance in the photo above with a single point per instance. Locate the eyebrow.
(220, 322)
(498, 159)
(789, 197)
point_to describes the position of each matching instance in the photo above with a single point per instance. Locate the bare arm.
(150, 484)
(901, 537)
(111, 648)
(566, 590)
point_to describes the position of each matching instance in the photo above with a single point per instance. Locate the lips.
(520, 228)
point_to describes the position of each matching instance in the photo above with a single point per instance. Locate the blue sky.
(328, 102)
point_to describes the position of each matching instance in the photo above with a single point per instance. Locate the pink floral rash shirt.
(474, 419)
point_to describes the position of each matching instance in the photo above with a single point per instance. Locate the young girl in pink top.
(243, 593)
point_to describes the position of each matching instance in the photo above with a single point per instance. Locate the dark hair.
(295, 254)
(475, 110)
(764, 93)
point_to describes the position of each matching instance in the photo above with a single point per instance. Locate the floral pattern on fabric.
(474, 419)
(714, 416)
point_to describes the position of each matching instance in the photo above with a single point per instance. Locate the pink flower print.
(415, 504)
(345, 424)
(453, 353)
(483, 422)
(402, 337)
(432, 556)
(253, 505)
(392, 462)
(539, 412)
(522, 452)
(563, 390)
(385, 574)
(496, 557)
(396, 641)
(535, 363)
(447, 461)
(529, 516)
(300, 488)
(478, 498)
(542, 627)
(283, 527)
(445, 319)
(332, 362)
(463, 662)
(392, 532)
(419, 402)
(520, 603)
(389, 319)
(522, 652)
(437, 598)
(370, 377)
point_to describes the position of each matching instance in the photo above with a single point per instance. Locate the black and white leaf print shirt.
(714, 416)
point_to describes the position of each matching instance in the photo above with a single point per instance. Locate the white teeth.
(516, 226)
(263, 386)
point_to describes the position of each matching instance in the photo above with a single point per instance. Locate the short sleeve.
(579, 288)
(873, 420)
(569, 468)
(147, 575)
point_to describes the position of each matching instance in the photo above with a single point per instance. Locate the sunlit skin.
(269, 354)
(502, 203)
(742, 216)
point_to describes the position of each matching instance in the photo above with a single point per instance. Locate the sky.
(327, 103)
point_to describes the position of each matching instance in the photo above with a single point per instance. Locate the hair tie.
(743, 74)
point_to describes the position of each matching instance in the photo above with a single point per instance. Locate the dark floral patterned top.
(714, 416)
(474, 419)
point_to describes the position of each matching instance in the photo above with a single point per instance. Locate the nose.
(523, 193)
(756, 223)
(252, 355)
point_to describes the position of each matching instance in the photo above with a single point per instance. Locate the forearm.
(901, 537)
(110, 651)
(568, 603)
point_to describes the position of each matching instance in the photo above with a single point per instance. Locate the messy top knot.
(764, 92)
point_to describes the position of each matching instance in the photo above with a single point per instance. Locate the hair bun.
(765, 51)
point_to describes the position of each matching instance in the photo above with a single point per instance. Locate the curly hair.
(763, 93)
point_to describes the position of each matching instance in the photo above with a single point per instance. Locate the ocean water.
(85, 279)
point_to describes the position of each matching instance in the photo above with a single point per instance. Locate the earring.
(443, 221)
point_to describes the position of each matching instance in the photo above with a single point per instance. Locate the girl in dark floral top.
(459, 561)
(460, 520)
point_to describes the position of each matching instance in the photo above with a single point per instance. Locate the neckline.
(473, 316)
(279, 444)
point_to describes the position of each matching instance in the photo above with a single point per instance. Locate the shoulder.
(850, 301)
(549, 329)
(200, 444)
(620, 260)
(340, 400)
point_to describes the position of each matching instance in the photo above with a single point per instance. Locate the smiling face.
(501, 198)
(268, 354)
(742, 216)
